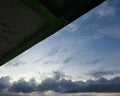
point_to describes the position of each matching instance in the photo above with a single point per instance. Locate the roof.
(23, 23)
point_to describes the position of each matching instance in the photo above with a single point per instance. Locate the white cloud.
(112, 30)
(105, 10)
(73, 27)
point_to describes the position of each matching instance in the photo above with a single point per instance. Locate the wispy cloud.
(73, 27)
(17, 61)
(1, 71)
(66, 64)
(53, 51)
(94, 62)
(67, 60)
(102, 73)
(112, 30)
(105, 10)
(15, 64)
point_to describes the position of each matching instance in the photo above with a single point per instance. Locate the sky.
(82, 57)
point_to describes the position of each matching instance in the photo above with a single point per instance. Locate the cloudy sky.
(82, 57)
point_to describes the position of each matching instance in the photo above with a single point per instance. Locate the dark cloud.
(12, 94)
(99, 74)
(23, 86)
(62, 86)
(4, 83)
(68, 86)
(55, 83)
(102, 85)
(59, 84)
(58, 75)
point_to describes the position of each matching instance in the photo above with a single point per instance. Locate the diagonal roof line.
(38, 23)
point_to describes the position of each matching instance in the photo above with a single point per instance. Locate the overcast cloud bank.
(58, 84)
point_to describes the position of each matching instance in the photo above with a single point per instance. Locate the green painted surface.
(40, 9)
(54, 24)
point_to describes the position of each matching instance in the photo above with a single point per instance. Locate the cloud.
(67, 60)
(52, 52)
(68, 86)
(62, 86)
(112, 30)
(103, 85)
(23, 86)
(58, 75)
(60, 94)
(94, 61)
(73, 27)
(12, 94)
(99, 74)
(1, 71)
(105, 10)
(15, 64)
(58, 84)
(4, 83)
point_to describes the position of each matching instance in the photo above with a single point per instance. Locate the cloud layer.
(101, 73)
(57, 83)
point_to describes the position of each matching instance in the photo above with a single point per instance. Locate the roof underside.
(23, 23)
